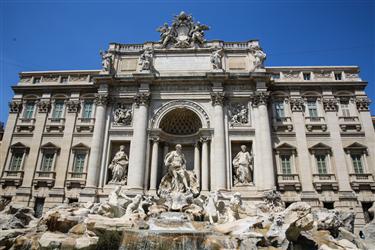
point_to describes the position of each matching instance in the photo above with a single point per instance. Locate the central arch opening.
(181, 121)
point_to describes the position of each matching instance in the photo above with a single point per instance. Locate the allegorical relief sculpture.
(183, 33)
(259, 56)
(239, 114)
(178, 184)
(106, 61)
(216, 59)
(243, 167)
(122, 115)
(119, 167)
(146, 59)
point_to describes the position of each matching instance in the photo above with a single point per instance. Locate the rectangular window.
(16, 161)
(79, 162)
(285, 164)
(87, 109)
(64, 79)
(306, 76)
(47, 162)
(58, 109)
(357, 163)
(29, 110)
(36, 80)
(321, 164)
(313, 110)
(345, 109)
(338, 76)
(279, 110)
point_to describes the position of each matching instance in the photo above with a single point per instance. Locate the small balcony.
(348, 123)
(364, 181)
(288, 182)
(44, 179)
(325, 182)
(25, 124)
(12, 178)
(85, 124)
(315, 124)
(55, 124)
(76, 180)
(282, 124)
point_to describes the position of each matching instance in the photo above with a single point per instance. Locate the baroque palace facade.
(307, 131)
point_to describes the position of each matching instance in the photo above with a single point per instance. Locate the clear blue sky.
(58, 35)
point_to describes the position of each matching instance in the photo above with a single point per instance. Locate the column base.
(347, 195)
(88, 194)
(310, 197)
(135, 191)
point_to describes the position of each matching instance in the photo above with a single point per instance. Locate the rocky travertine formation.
(218, 221)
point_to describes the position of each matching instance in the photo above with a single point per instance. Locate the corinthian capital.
(260, 98)
(15, 106)
(73, 106)
(363, 103)
(44, 106)
(297, 104)
(142, 98)
(217, 98)
(330, 104)
(101, 99)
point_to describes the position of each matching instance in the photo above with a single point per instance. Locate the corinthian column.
(154, 163)
(267, 181)
(138, 145)
(197, 161)
(97, 140)
(218, 173)
(205, 157)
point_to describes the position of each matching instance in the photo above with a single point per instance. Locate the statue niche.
(179, 184)
(119, 167)
(243, 167)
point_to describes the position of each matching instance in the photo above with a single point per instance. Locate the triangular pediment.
(356, 145)
(49, 145)
(285, 146)
(80, 146)
(320, 146)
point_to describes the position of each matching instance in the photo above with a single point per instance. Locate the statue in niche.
(119, 167)
(243, 167)
(106, 61)
(146, 59)
(238, 115)
(178, 185)
(216, 59)
(122, 115)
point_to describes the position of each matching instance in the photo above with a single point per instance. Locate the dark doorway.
(329, 205)
(38, 207)
(365, 207)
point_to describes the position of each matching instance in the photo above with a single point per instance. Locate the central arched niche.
(180, 121)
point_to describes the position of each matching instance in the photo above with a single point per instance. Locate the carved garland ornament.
(179, 104)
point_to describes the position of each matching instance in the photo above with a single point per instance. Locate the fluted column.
(197, 161)
(97, 140)
(154, 163)
(138, 145)
(260, 101)
(218, 166)
(204, 166)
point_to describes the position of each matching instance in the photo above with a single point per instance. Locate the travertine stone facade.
(308, 129)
